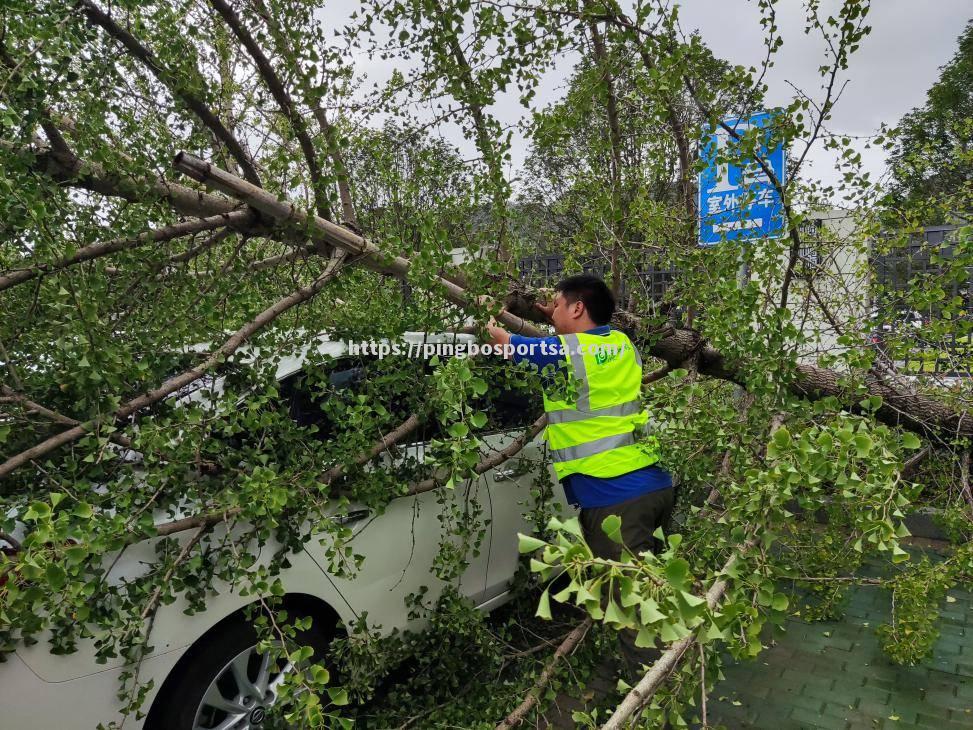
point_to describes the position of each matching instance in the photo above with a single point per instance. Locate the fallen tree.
(111, 293)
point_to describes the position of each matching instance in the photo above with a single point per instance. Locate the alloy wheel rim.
(241, 692)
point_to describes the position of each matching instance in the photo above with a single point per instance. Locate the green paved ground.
(833, 675)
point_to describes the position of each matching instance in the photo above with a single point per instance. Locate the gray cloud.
(888, 75)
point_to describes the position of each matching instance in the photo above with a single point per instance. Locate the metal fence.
(900, 271)
(893, 274)
(649, 280)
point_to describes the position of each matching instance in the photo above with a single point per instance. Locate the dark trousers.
(640, 517)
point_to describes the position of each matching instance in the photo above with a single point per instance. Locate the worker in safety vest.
(604, 461)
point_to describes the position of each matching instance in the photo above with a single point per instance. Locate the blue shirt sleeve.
(539, 351)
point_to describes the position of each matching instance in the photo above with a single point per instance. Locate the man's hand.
(498, 335)
(545, 308)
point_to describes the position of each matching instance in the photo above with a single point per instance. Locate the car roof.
(290, 363)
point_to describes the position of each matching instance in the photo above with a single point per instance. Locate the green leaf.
(899, 555)
(319, 674)
(863, 444)
(691, 599)
(669, 633)
(478, 419)
(910, 441)
(37, 510)
(56, 576)
(782, 437)
(645, 637)
(75, 554)
(338, 695)
(536, 566)
(564, 595)
(544, 606)
(458, 430)
(614, 614)
(779, 602)
(612, 526)
(528, 544)
(585, 593)
(649, 612)
(573, 526)
(677, 571)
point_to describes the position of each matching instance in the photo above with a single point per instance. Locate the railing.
(893, 273)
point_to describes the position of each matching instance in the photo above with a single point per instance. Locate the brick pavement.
(833, 675)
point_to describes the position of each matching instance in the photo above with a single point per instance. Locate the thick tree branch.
(30, 406)
(615, 143)
(96, 16)
(283, 99)
(516, 717)
(386, 441)
(349, 217)
(491, 461)
(902, 405)
(641, 693)
(242, 218)
(325, 232)
(176, 382)
(91, 176)
(660, 670)
(676, 126)
(472, 95)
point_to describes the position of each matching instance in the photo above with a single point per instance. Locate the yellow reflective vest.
(598, 432)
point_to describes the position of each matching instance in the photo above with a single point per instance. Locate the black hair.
(593, 291)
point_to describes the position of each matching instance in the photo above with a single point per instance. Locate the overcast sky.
(888, 75)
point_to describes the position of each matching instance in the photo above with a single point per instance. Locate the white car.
(205, 670)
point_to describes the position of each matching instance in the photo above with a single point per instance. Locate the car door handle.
(356, 515)
(501, 475)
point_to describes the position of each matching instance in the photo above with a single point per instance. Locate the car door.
(399, 543)
(512, 487)
(425, 520)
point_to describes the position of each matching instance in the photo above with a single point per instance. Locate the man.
(593, 433)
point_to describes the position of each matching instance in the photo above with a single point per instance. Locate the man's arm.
(498, 336)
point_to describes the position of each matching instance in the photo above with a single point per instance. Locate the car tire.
(207, 685)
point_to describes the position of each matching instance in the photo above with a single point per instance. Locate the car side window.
(510, 408)
(305, 394)
(508, 405)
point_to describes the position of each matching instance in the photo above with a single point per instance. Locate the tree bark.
(176, 382)
(241, 218)
(96, 16)
(566, 647)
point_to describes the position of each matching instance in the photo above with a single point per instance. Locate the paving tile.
(834, 675)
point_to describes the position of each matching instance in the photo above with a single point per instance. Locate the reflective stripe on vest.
(567, 415)
(590, 448)
(595, 434)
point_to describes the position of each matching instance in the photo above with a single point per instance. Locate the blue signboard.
(737, 200)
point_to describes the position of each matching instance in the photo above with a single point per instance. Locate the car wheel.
(223, 683)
